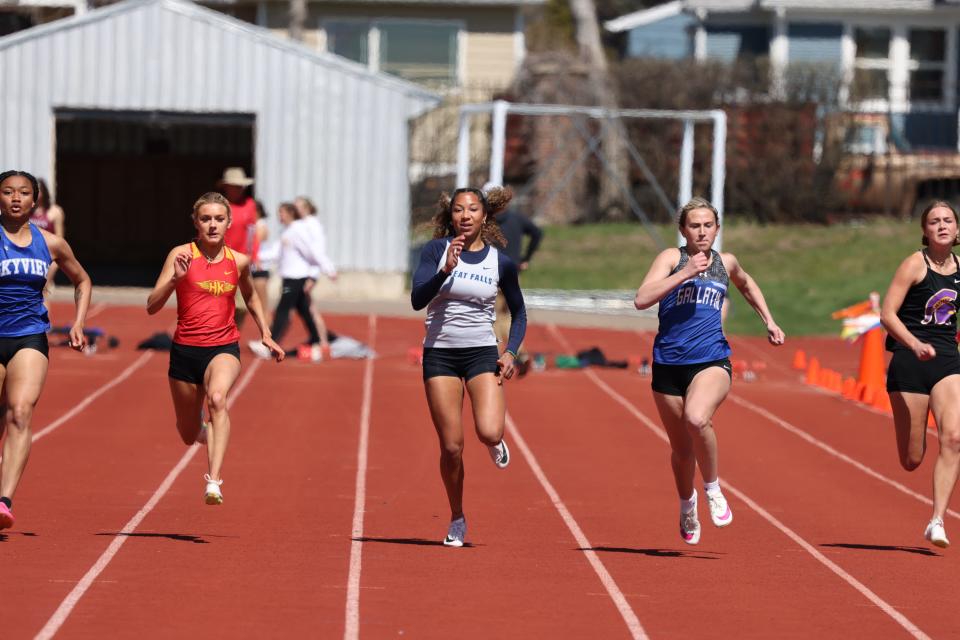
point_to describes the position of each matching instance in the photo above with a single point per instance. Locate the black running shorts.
(909, 374)
(189, 363)
(675, 379)
(10, 346)
(463, 362)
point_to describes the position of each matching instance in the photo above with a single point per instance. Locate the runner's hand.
(924, 351)
(275, 350)
(181, 264)
(697, 264)
(505, 367)
(775, 334)
(78, 339)
(453, 253)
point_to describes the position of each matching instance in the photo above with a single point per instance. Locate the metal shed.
(144, 102)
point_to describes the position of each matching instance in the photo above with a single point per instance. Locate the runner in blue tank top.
(691, 366)
(26, 253)
(920, 314)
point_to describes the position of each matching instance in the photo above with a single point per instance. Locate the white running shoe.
(720, 511)
(690, 527)
(212, 494)
(456, 533)
(259, 349)
(500, 454)
(936, 534)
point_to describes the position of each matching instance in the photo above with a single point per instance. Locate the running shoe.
(456, 533)
(6, 517)
(690, 524)
(935, 533)
(212, 494)
(720, 511)
(500, 454)
(259, 349)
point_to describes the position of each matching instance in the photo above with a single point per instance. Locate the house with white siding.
(899, 57)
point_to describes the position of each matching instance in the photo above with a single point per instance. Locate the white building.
(133, 110)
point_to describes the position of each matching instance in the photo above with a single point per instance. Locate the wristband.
(511, 353)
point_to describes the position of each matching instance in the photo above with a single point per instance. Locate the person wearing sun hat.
(241, 235)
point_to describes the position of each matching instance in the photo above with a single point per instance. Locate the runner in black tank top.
(920, 314)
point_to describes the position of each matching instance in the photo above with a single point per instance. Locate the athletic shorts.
(259, 273)
(189, 363)
(910, 374)
(675, 379)
(462, 362)
(10, 346)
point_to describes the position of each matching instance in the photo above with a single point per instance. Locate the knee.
(696, 422)
(950, 440)
(910, 461)
(19, 415)
(217, 401)
(451, 451)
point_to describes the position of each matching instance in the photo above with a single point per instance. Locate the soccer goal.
(557, 153)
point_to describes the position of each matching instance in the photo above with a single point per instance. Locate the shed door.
(127, 182)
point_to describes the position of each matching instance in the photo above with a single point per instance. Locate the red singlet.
(206, 301)
(239, 236)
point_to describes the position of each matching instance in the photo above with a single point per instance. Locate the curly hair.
(494, 201)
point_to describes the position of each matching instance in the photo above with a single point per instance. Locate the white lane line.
(881, 604)
(83, 404)
(797, 431)
(66, 607)
(626, 611)
(352, 624)
(97, 308)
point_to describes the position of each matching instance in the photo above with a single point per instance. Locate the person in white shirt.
(299, 266)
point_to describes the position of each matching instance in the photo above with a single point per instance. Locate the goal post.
(498, 110)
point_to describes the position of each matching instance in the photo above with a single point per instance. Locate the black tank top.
(929, 310)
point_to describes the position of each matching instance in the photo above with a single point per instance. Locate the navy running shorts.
(189, 363)
(675, 379)
(460, 362)
(909, 374)
(10, 346)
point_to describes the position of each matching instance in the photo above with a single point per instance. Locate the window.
(423, 52)
(871, 67)
(927, 64)
(419, 52)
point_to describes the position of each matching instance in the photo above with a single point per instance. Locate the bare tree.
(298, 18)
(614, 172)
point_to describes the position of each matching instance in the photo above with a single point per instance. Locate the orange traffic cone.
(868, 393)
(881, 401)
(799, 360)
(813, 371)
(849, 389)
(872, 361)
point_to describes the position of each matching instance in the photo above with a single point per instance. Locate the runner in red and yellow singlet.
(205, 356)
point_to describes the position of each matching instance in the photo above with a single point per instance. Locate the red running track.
(334, 509)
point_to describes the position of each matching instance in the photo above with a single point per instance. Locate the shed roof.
(222, 21)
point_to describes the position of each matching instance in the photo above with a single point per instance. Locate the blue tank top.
(690, 329)
(23, 274)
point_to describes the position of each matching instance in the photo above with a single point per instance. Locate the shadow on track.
(921, 551)
(25, 534)
(658, 553)
(180, 537)
(415, 541)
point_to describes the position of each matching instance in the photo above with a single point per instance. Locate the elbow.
(641, 303)
(885, 318)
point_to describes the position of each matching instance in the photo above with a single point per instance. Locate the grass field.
(805, 271)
